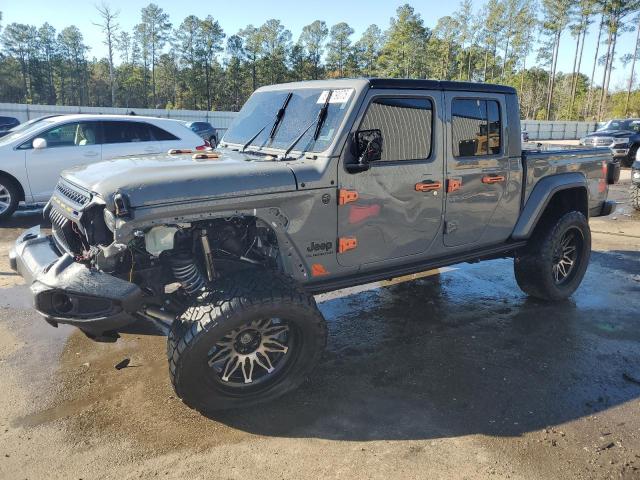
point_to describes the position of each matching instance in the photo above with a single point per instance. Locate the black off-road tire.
(533, 265)
(629, 159)
(8, 187)
(238, 300)
(634, 196)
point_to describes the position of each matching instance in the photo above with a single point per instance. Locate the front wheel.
(252, 339)
(8, 197)
(553, 265)
(635, 196)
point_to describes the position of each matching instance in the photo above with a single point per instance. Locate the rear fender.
(540, 197)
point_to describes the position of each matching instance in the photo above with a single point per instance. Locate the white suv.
(31, 159)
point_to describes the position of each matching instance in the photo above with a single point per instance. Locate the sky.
(294, 14)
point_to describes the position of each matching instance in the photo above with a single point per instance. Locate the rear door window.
(126, 132)
(476, 127)
(160, 134)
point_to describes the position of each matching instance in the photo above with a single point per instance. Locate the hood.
(157, 179)
(611, 133)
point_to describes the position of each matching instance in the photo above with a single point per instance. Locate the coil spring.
(186, 272)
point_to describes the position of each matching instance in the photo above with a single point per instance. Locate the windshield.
(632, 125)
(18, 133)
(262, 107)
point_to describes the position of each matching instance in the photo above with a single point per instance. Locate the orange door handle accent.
(428, 186)
(493, 179)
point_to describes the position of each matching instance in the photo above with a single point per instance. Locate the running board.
(361, 278)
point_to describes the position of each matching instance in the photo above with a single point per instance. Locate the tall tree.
(211, 40)
(312, 39)
(276, 41)
(49, 52)
(369, 47)
(556, 17)
(156, 30)
(252, 40)
(583, 14)
(109, 26)
(338, 47)
(616, 12)
(632, 58)
(16, 40)
(404, 50)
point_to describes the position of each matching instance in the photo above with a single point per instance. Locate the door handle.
(493, 179)
(428, 186)
(91, 154)
(151, 150)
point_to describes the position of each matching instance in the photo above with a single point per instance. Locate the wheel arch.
(21, 191)
(552, 196)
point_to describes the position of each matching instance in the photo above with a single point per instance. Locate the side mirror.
(39, 143)
(368, 146)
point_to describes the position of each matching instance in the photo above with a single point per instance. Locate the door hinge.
(450, 227)
(454, 184)
(347, 196)
(347, 243)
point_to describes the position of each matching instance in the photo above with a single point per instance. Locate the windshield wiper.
(318, 122)
(277, 121)
(280, 115)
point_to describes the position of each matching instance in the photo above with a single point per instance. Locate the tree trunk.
(552, 78)
(633, 66)
(606, 71)
(573, 75)
(605, 90)
(587, 105)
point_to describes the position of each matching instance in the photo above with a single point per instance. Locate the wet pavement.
(450, 374)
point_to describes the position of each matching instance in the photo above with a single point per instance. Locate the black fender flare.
(542, 193)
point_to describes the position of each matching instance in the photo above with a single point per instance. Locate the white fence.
(23, 112)
(557, 130)
(538, 130)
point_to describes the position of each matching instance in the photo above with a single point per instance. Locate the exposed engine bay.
(165, 259)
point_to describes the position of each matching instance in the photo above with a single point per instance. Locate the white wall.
(23, 112)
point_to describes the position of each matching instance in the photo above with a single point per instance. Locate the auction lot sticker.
(338, 96)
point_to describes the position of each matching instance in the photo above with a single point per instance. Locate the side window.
(406, 125)
(126, 132)
(476, 127)
(160, 134)
(70, 135)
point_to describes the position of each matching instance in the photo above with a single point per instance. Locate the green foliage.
(197, 66)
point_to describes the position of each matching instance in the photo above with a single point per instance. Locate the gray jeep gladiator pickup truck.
(316, 186)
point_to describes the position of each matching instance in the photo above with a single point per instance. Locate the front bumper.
(620, 152)
(65, 291)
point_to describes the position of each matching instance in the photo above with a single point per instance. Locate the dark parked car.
(205, 130)
(622, 136)
(7, 123)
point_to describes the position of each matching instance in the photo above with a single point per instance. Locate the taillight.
(206, 146)
(602, 183)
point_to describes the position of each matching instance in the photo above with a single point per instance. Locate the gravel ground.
(450, 374)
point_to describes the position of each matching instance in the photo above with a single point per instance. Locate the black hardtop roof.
(413, 84)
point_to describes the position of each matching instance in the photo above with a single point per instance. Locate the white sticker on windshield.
(337, 96)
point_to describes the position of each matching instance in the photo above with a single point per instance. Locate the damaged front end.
(81, 276)
(68, 285)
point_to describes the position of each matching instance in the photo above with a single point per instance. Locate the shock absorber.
(186, 272)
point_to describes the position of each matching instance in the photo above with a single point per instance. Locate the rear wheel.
(9, 194)
(254, 338)
(635, 196)
(553, 265)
